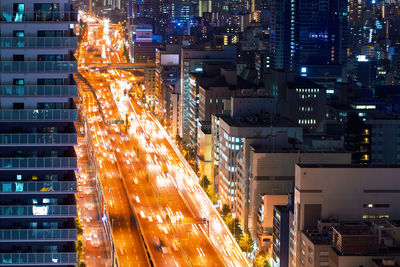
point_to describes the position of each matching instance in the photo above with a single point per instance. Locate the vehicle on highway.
(95, 241)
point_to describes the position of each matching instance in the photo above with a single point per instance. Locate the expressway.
(146, 174)
(125, 232)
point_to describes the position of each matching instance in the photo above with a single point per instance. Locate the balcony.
(39, 259)
(37, 235)
(61, 163)
(44, 17)
(51, 187)
(38, 211)
(38, 66)
(38, 115)
(35, 139)
(39, 42)
(39, 90)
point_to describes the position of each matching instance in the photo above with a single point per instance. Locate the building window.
(46, 12)
(7, 187)
(18, 15)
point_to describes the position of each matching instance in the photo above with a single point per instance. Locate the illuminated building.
(228, 134)
(37, 157)
(308, 32)
(167, 73)
(192, 60)
(343, 193)
(304, 102)
(266, 166)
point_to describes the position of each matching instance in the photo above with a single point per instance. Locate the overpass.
(126, 66)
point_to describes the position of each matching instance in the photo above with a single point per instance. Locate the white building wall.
(343, 193)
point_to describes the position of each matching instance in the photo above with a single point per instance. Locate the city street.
(142, 173)
(94, 237)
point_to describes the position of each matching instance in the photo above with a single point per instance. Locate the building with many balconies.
(37, 134)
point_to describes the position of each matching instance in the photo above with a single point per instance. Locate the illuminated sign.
(364, 106)
(362, 58)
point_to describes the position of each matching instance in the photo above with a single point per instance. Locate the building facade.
(37, 179)
(342, 193)
(192, 62)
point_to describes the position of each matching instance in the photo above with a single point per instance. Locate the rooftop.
(317, 238)
(354, 166)
(302, 82)
(354, 229)
(258, 120)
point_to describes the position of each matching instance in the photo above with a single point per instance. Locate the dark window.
(49, 105)
(50, 33)
(50, 81)
(18, 58)
(18, 105)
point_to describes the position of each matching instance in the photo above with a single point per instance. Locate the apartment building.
(37, 134)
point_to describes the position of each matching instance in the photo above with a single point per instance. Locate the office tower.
(304, 102)
(280, 242)
(167, 73)
(37, 158)
(280, 34)
(266, 166)
(192, 60)
(308, 32)
(227, 136)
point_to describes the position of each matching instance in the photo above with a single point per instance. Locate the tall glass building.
(37, 134)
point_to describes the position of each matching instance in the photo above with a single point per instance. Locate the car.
(95, 241)
(122, 251)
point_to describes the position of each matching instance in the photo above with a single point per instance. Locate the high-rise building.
(167, 73)
(37, 134)
(308, 32)
(266, 166)
(227, 137)
(192, 60)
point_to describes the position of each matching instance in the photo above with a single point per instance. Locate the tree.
(79, 228)
(225, 210)
(261, 260)
(125, 53)
(212, 195)
(246, 243)
(233, 226)
(205, 182)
